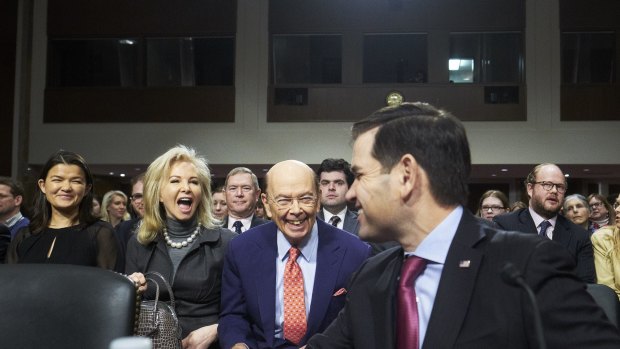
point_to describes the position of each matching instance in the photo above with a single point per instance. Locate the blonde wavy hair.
(153, 221)
(107, 200)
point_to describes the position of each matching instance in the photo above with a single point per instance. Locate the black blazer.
(474, 308)
(574, 238)
(198, 280)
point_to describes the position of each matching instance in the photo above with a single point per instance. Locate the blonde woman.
(114, 207)
(606, 246)
(179, 238)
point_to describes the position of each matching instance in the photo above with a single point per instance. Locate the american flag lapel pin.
(464, 263)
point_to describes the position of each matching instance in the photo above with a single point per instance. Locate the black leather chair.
(607, 299)
(57, 306)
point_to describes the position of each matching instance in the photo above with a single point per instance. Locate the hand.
(240, 346)
(201, 338)
(139, 280)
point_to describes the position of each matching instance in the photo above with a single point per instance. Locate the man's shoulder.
(579, 232)
(510, 218)
(256, 234)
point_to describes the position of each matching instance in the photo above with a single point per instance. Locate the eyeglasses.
(548, 186)
(616, 205)
(285, 203)
(493, 208)
(596, 205)
(136, 197)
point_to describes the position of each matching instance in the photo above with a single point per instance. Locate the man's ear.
(408, 175)
(18, 200)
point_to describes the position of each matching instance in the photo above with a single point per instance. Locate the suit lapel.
(265, 280)
(330, 255)
(526, 222)
(383, 305)
(561, 232)
(350, 223)
(456, 286)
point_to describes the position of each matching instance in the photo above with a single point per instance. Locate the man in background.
(11, 200)
(242, 194)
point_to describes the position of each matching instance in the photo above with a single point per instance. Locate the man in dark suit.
(256, 297)
(444, 287)
(242, 193)
(546, 186)
(335, 177)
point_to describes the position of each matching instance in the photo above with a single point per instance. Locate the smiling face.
(64, 188)
(546, 203)
(241, 195)
(292, 183)
(372, 191)
(180, 192)
(576, 211)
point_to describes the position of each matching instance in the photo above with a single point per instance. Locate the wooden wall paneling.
(590, 102)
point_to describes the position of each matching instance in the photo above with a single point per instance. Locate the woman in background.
(606, 246)
(492, 203)
(220, 210)
(63, 229)
(601, 212)
(96, 207)
(179, 239)
(577, 210)
(114, 207)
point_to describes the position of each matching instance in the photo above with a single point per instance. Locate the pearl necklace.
(181, 244)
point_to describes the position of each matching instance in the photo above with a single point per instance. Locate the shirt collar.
(308, 246)
(247, 222)
(328, 215)
(435, 246)
(539, 219)
(13, 220)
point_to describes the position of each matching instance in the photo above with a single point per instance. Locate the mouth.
(185, 204)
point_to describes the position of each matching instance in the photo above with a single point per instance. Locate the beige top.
(606, 259)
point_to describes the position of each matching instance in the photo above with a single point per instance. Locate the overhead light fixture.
(504, 170)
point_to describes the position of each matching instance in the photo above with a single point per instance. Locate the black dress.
(89, 245)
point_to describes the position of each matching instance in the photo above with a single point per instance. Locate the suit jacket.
(256, 221)
(574, 238)
(474, 308)
(249, 284)
(350, 221)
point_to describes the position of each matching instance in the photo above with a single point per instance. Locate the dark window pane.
(169, 62)
(96, 62)
(315, 59)
(588, 58)
(395, 58)
(215, 61)
(486, 57)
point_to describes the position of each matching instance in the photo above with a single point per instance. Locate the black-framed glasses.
(285, 203)
(548, 186)
(493, 208)
(596, 205)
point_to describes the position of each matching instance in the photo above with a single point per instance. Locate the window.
(131, 62)
(486, 58)
(588, 57)
(395, 58)
(309, 59)
(93, 62)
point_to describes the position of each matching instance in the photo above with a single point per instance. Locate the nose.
(350, 194)
(331, 186)
(295, 208)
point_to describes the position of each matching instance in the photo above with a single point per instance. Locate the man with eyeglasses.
(242, 193)
(126, 229)
(286, 280)
(546, 186)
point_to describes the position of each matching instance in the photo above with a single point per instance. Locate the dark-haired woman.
(63, 229)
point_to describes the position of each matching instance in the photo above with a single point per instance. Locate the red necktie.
(407, 332)
(294, 304)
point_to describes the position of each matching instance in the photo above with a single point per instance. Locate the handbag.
(158, 320)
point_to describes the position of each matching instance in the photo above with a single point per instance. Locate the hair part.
(435, 138)
(153, 221)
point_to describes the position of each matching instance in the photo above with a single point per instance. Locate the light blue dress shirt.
(307, 263)
(434, 248)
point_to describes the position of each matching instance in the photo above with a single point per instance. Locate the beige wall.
(542, 138)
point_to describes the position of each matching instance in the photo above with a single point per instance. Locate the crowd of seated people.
(181, 228)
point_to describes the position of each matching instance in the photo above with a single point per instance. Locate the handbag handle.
(166, 284)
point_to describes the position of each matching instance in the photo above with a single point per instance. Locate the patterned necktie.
(294, 304)
(408, 323)
(237, 225)
(334, 221)
(543, 229)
